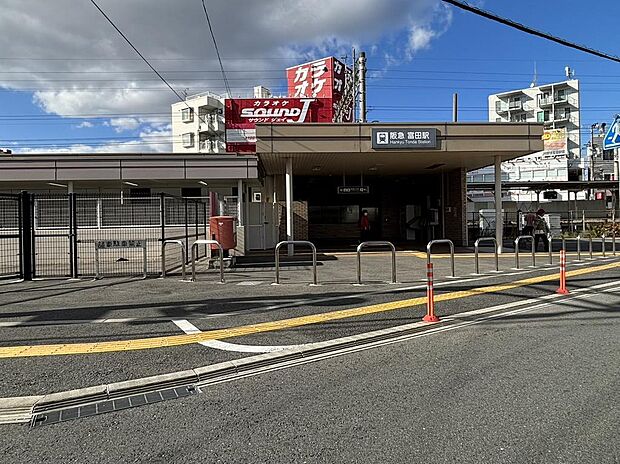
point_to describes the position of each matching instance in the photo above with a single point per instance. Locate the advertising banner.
(242, 115)
(324, 78)
(555, 142)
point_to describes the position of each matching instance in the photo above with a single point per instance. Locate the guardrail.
(296, 242)
(476, 249)
(429, 246)
(374, 244)
(163, 256)
(517, 240)
(578, 242)
(550, 241)
(207, 242)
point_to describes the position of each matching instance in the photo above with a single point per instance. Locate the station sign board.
(410, 138)
(116, 244)
(353, 190)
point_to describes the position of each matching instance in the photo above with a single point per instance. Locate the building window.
(543, 99)
(188, 139)
(187, 114)
(560, 95)
(191, 192)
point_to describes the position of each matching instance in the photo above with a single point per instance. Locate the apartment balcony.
(515, 106)
(212, 146)
(543, 102)
(501, 107)
(212, 124)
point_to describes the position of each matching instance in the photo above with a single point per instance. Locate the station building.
(308, 181)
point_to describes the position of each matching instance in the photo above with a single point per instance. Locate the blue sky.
(415, 64)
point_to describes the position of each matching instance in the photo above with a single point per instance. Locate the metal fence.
(66, 227)
(570, 222)
(10, 220)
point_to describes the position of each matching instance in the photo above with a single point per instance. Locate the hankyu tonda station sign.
(404, 138)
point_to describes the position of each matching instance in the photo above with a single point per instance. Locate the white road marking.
(289, 303)
(190, 328)
(251, 282)
(530, 304)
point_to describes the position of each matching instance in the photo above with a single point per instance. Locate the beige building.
(198, 125)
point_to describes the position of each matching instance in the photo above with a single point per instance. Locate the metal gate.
(53, 235)
(10, 236)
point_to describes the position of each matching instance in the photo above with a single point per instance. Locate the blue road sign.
(612, 137)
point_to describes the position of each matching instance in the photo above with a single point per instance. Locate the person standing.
(530, 220)
(364, 227)
(541, 230)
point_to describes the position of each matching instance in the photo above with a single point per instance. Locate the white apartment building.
(557, 106)
(198, 124)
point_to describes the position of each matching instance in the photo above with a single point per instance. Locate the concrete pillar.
(289, 203)
(240, 206)
(499, 217)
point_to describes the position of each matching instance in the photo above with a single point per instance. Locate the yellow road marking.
(188, 339)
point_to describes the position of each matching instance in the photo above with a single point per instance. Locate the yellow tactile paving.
(187, 339)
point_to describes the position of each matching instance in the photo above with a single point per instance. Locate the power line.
(217, 50)
(529, 30)
(136, 50)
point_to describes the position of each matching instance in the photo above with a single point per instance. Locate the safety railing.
(476, 252)
(296, 242)
(163, 256)
(517, 240)
(429, 247)
(578, 243)
(194, 250)
(363, 245)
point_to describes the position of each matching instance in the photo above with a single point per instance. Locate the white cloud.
(124, 124)
(85, 124)
(421, 33)
(81, 66)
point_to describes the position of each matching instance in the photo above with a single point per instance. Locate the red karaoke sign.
(242, 115)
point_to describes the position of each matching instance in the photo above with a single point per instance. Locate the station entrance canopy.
(334, 149)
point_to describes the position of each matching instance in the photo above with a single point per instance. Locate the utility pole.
(455, 107)
(361, 74)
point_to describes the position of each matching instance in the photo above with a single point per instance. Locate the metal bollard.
(429, 247)
(591, 247)
(517, 240)
(613, 242)
(603, 245)
(476, 252)
(375, 244)
(578, 247)
(550, 240)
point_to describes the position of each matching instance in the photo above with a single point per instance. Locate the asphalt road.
(535, 387)
(71, 312)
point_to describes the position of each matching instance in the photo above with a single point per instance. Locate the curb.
(21, 409)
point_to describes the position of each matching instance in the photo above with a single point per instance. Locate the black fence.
(72, 235)
(10, 237)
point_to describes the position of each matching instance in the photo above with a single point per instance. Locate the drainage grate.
(102, 407)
